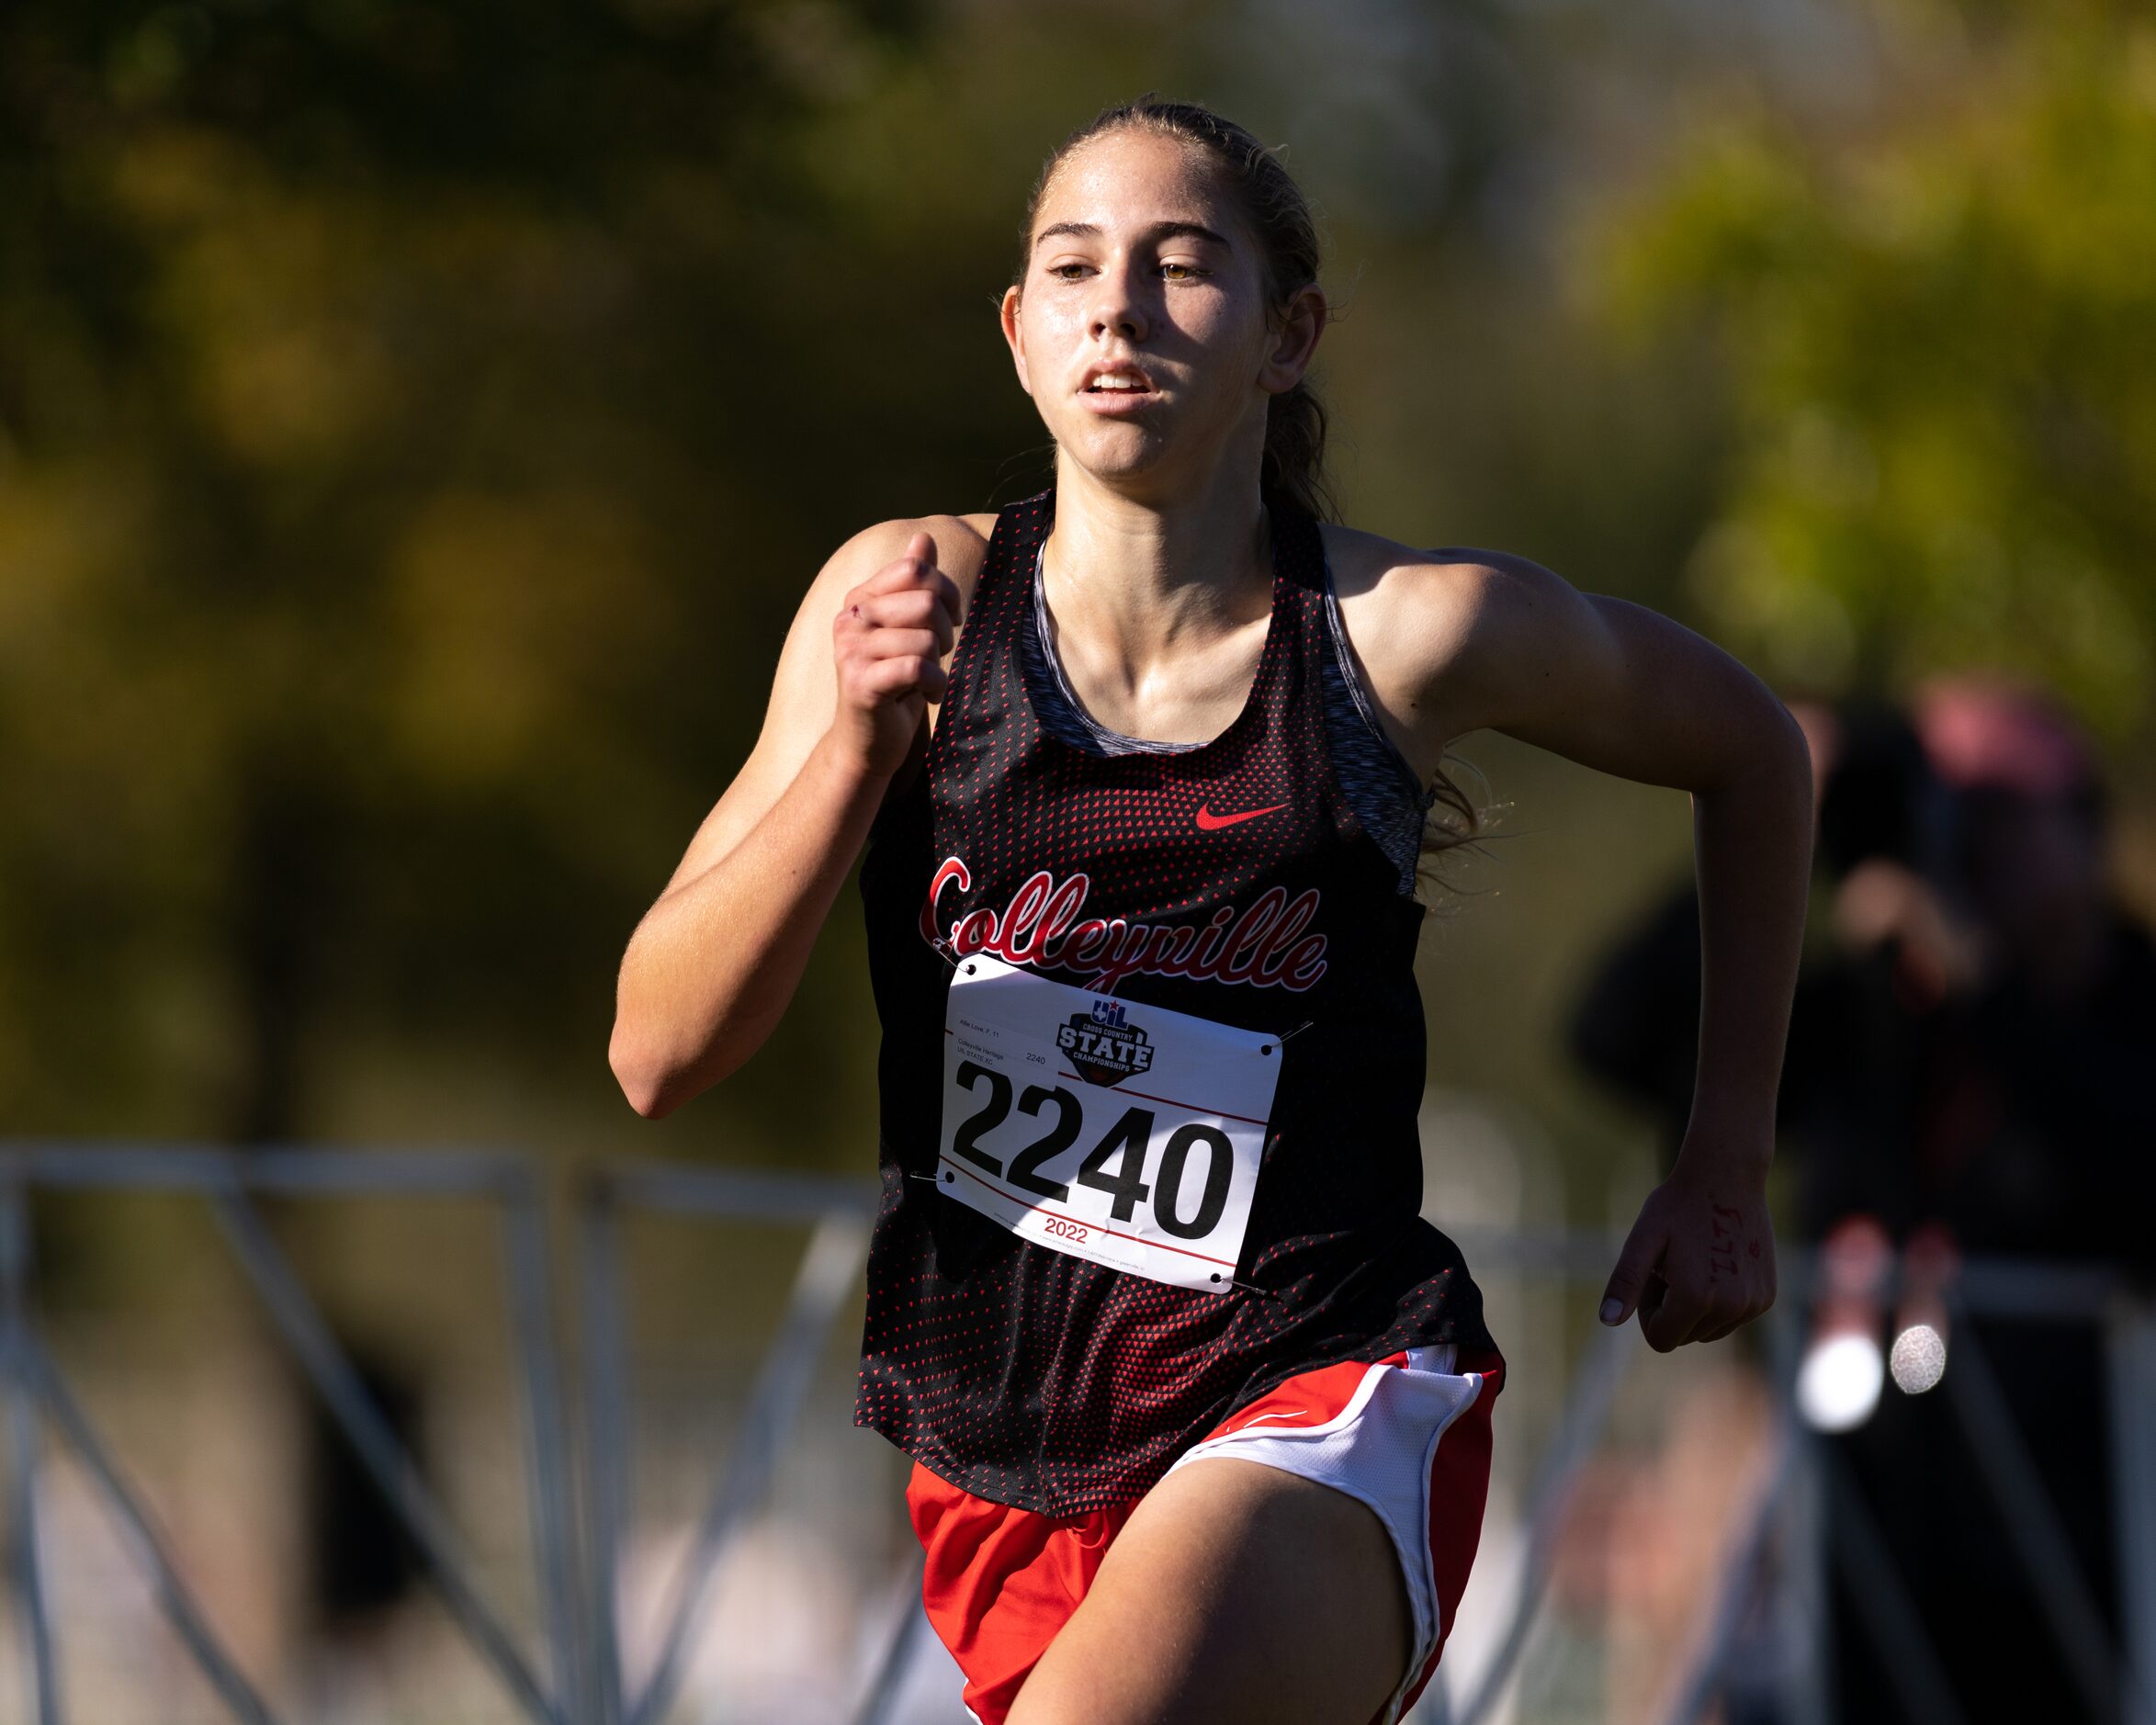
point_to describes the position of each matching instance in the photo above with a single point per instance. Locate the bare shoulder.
(806, 682)
(1419, 621)
(961, 548)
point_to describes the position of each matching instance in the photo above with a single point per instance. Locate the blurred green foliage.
(1938, 326)
(403, 491)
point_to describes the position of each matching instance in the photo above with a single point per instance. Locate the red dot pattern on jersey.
(1037, 1379)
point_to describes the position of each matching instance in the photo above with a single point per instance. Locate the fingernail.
(1612, 1309)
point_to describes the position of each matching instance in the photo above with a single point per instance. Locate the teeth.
(1117, 383)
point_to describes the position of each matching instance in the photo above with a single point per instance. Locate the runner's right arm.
(712, 965)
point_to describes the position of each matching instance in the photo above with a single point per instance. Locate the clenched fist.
(887, 644)
(1700, 1261)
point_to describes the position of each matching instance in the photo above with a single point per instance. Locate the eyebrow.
(1158, 230)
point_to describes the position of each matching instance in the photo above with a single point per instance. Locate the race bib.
(1126, 1134)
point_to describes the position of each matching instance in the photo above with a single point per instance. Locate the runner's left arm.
(1620, 688)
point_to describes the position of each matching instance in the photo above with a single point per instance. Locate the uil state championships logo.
(1104, 1047)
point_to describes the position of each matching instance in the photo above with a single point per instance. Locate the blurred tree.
(1939, 325)
(388, 396)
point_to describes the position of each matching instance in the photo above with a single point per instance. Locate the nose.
(1118, 307)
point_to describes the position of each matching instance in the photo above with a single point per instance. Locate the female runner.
(1199, 1404)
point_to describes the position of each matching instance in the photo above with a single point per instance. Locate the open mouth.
(1120, 381)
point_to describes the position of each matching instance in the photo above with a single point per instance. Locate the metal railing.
(579, 1514)
(1802, 1470)
(839, 1211)
(550, 1687)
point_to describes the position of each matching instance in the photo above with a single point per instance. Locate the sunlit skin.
(1258, 1595)
(1140, 259)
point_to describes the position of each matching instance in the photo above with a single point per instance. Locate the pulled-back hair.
(1279, 216)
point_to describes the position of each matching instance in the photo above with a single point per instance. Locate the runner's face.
(1141, 330)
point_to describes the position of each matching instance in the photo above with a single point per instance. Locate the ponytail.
(1294, 452)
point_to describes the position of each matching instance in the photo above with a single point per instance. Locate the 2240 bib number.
(1121, 1133)
(1116, 1165)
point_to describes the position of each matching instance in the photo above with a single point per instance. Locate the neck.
(1139, 574)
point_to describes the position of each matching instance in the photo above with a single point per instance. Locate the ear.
(1014, 336)
(1294, 341)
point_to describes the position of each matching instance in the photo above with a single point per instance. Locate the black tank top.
(1021, 1373)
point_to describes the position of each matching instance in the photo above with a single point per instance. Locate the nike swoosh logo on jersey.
(1209, 822)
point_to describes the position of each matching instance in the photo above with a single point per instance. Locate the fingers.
(1672, 1311)
(910, 673)
(1682, 1313)
(894, 630)
(1675, 1320)
(1636, 1267)
(887, 644)
(911, 610)
(1669, 1312)
(1695, 1267)
(915, 571)
(1713, 1332)
(875, 663)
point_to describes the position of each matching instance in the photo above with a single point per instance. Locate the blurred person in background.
(1156, 814)
(1964, 1075)
(2040, 1121)
(2031, 1125)
(1881, 848)
(1967, 1074)
(1896, 937)
(1636, 1024)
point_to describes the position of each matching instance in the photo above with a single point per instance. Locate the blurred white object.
(1919, 1358)
(1930, 1261)
(1838, 1384)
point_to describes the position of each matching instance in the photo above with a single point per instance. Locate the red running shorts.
(1408, 1435)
